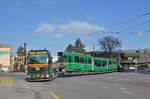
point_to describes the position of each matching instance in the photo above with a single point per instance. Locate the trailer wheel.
(28, 79)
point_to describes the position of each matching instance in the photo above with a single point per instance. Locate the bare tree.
(109, 44)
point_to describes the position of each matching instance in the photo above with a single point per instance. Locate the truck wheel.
(28, 79)
(55, 75)
(51, 76)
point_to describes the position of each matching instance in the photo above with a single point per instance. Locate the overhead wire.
(130, 20)
(124, 30)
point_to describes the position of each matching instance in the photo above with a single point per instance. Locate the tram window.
(76, 59)
(85, 60)
(65, 58)
(89, 60)
(70, 59)
(114, 62)
(81, 59)
(60, 53)
(110, 62)
(60, 59)
(104, 63)
(95, 63)
(99, 63)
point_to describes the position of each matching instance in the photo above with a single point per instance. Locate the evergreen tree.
(79, 47)
(70, 48)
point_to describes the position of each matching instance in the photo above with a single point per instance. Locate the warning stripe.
(36, 64)
(54, 95)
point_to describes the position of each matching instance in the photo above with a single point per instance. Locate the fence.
(143, 71)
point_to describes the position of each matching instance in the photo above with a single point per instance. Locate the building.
(54, 59)
(127, 60)
(5, 57)
(18, 62)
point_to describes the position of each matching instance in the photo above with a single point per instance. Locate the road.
(101, 86)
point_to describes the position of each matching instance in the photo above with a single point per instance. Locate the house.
(5, 57)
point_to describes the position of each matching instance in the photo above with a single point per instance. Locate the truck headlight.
(47, 75)
(38, 75)
(29, 76)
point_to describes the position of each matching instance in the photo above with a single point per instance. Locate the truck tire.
(51, 76)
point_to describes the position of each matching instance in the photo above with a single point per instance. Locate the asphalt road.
(100, 86)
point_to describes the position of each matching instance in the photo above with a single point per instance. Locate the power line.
(130, 20)
(124, 30)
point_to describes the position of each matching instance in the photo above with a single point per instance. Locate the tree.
(109, 44)
(20, 59)
(20, 50)
(70, 48)
(0, 65)
(79, 47)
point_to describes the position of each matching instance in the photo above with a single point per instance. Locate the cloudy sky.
(53, 24)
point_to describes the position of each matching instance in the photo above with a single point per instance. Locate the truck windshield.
(37, 59)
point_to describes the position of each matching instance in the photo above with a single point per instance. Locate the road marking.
(126, 92)
(52, 94)
(115, 84)
(5, 82)
(104, 87)
(122, 88)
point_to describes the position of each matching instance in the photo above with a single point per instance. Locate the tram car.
(70, 62)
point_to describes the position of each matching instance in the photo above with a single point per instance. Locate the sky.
(53, 24)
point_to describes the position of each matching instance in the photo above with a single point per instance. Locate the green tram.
(74, 62)
(39, 65)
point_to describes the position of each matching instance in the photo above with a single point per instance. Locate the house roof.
(4, 46)
(134, 54)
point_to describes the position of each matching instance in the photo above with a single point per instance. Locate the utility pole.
(94, 47)
(25, 54)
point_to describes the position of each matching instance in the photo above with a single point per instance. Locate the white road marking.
(115, 84)
(122, 88)
(27, 86)
(104, 87)
(126, 92)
